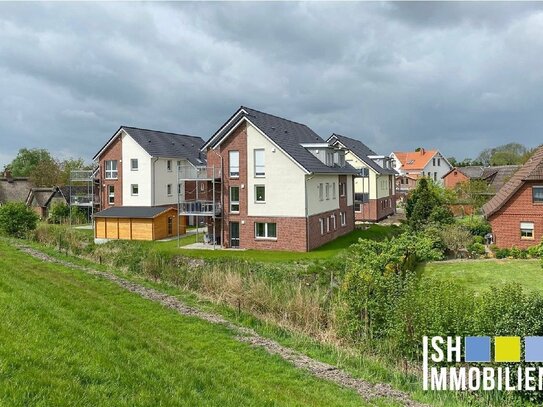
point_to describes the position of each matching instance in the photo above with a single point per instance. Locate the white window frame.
(327, 225)
(202, 186)
(533, 190)
(321, 224)
(132, 166)
(169, 189)
(327, 190)
(256, 194)
(334, 225)
(179, 189)
(132, 189)
(333, 190)
(111, 194)
(233, 170)
(111, 173)
(343, 218)
(266, 231)
(321, 192)
(342, 189)
(169, 165)
(232, 202)
(527, 227)
(259, 168)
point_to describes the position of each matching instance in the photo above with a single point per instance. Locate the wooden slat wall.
(142, 229)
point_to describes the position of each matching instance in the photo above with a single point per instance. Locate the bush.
(502, 253)
(59, 213)
(477, 249)
(456, 238)
(477, 225)
(16, 219)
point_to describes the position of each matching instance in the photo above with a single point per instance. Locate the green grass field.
(481, 274)
(329, 250)
(67, 338)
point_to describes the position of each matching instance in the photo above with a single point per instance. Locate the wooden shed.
(138, 223)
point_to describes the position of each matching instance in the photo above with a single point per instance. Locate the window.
(260, 169)
(202, 186)
(169, 189)
(526, 230)
(333, 190)
(357, 207)
(434, 162)
(343, 218)
(233, 160)
(329, 159)
(234, 199)
(435, 176)
(169, 165)
(342, 189)
(327, 191)
(111, 194)
(321, 224)
(134, 164)
(327, 225)
(439, 162)
(134, 189)
(266, 230)
(537, 194)
(260, 193)
(320, 192)
(179, 189)
(334, 226)
(111, 169)
(170, 225)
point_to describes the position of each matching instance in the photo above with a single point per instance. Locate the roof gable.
(286, 134)
(163, 144)
(531, 171)
(415, 160)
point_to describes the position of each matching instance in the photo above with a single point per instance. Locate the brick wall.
(453, 178)
(506, 222)
(113, 152)
(374, 211)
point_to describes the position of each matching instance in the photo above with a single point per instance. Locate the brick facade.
(113, 152)
(376, 209)
(520, 208)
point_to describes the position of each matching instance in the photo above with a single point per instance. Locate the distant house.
(13, 189)
(42, 199)
(516, 211)
(412, 165)
(139, 168)
(375, 191)
(495, 176)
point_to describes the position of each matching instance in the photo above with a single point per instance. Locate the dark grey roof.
(137, 212)
(362, 151)
(14, 189)
(162, 144)
(288, 135)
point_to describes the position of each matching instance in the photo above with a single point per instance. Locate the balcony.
(81, 200)
(361, 197)
(200, 208)
(188, 172)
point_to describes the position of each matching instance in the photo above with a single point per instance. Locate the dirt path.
(366, 390)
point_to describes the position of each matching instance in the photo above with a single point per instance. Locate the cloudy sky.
(457, 76)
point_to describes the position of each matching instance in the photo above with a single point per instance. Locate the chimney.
(8, 176)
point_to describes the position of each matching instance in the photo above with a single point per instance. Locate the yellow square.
(507, 348)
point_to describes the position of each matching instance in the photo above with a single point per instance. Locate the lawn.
(67, 338)
(329, 250)
(481, 274)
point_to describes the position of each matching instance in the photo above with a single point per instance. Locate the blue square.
(477, 349)
(533, 349)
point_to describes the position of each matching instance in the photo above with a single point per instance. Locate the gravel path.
(366, 390)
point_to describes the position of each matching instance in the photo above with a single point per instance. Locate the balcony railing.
(203, 208)
(85, 200)
(188, 172)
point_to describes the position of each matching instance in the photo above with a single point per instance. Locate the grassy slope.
(479, 275)
(331, 249)
(71, 339)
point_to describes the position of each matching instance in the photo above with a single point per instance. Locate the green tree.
(68, 165)
(16, 219)
(46, 173)
(428, 203)
(473, 192)
(27, 160)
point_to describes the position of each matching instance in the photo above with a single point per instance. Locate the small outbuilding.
(138, 223)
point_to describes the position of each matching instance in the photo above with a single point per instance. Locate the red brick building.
(282, 187)
(516, 211)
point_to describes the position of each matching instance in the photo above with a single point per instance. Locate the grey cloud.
(456, 76)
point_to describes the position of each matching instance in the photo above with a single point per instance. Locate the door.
(170, 225)
(234, 234)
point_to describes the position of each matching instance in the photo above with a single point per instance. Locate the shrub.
(456, 238)
(16, 219)
(59, 213)
(477, 225)
(502, 253)
(517, 253)
(477, 249)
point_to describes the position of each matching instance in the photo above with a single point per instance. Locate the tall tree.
(27, 159)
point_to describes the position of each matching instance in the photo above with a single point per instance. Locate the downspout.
(311, 175)
(153, 186)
